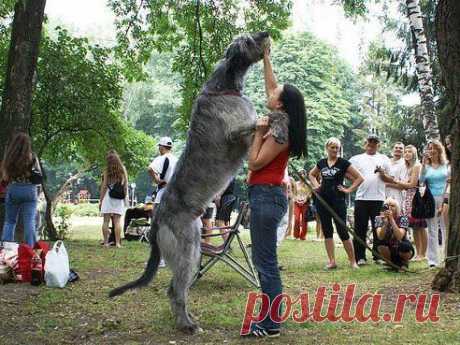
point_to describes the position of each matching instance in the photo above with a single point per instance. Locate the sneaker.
(379, 262)
(362, 262)
(260, 332)
(162, 264)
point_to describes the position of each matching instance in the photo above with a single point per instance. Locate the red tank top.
(273, 172)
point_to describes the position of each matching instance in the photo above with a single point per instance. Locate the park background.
(121, 74)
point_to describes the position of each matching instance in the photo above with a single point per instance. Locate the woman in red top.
(278, 135)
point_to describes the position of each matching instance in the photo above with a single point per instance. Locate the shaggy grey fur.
(219, 137)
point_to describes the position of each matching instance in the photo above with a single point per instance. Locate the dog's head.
(247, 49)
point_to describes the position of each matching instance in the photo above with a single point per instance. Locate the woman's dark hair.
(18, 159)
(294, 105)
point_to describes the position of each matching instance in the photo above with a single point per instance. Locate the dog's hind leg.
(183, 267)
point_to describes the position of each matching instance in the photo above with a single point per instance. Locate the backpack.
(117, 191)
(162, 176)
(423, 207)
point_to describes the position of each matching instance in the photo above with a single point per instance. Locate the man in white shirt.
(162, 168)
(396, 171)
(370, 194)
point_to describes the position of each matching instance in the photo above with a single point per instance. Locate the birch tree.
(423, 69)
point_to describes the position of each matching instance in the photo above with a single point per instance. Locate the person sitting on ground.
(391, 231)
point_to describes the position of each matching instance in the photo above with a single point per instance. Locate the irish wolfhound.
(219, 137)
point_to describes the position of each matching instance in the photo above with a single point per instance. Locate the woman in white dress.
(114, 196)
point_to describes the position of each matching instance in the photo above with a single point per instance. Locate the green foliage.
(355, 8)
(326, 81)
(382, 104)
(197, 32)
(86, 210)
(62, 220)
(76, 106)
(152, 105)
(6, 10)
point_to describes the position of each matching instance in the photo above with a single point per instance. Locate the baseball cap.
(373, 137)
(165, 141)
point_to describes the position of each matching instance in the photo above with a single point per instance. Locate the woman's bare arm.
(313, 177)
(413, 181)
(355, 177)
(269, 76)
(263, 152)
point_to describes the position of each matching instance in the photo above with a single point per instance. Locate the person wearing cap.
(161, 170)
(370, 194)
(162, 165)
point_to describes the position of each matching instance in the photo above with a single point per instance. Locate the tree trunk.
(448, 41)
(423, 68)
(22, 61)
(15, 112)
(51, 232)
(51, 202)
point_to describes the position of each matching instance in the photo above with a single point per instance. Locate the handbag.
(117, 191)
(423, 207)
(162, 176)
(36, 176)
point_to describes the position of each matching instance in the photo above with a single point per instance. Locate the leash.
(343, 224)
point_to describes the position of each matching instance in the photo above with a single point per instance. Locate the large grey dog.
(219, 137)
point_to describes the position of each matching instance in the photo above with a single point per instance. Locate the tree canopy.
(197, 32)
(328, 84)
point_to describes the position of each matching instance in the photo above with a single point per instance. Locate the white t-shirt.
(157, 166)
(373, 187)
(398, 172)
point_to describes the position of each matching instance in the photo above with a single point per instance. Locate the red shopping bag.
(25, 254)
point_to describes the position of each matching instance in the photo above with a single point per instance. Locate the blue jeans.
(20, 197)
(268, 205)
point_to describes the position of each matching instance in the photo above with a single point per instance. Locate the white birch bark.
(423, 68)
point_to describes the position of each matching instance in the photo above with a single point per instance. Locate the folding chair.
(211, 254)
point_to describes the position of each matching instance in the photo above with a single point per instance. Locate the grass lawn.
(81, 313)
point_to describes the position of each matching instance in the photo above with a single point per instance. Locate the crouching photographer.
(391, 231)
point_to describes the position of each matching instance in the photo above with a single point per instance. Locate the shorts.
(226, 207)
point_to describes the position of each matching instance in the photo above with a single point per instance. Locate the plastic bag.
(57, 266)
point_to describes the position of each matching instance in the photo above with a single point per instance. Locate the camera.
(377, 169)
(385, 207)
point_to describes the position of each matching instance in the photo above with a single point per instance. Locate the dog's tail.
(151, 268)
